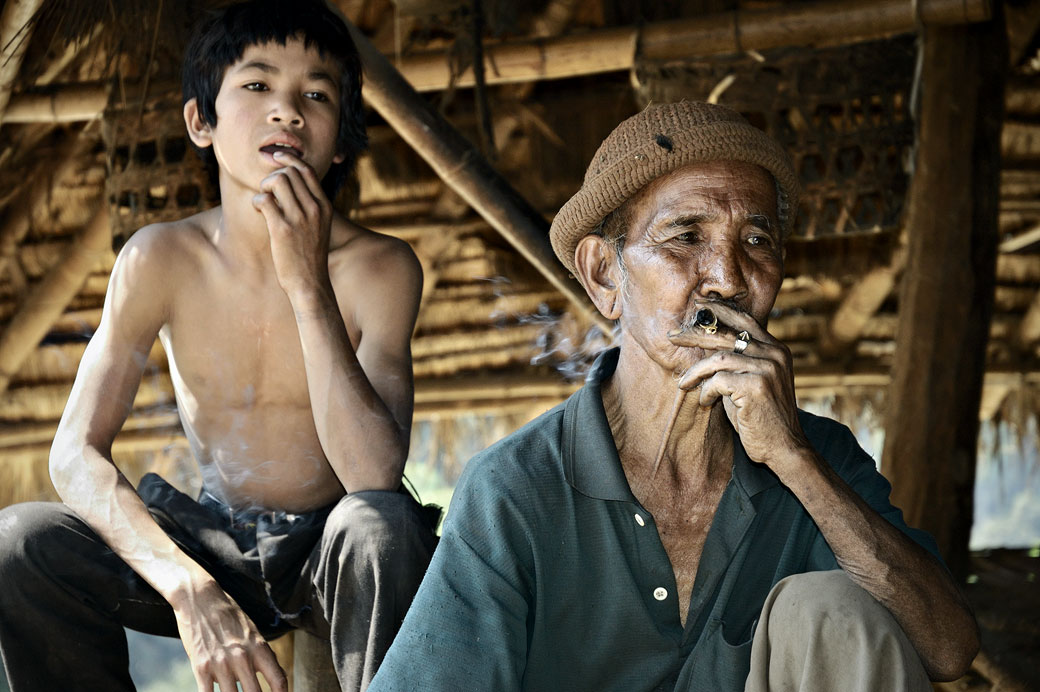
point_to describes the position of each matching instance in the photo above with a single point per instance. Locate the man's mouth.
(286, 148)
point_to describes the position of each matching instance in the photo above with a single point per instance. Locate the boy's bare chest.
(239, 350)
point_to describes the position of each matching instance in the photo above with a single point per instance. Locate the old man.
(678, 524)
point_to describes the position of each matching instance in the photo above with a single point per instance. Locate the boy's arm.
(361, 400)
(219, 638)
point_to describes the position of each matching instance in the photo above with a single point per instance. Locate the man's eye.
(686, 237)
(760, 240)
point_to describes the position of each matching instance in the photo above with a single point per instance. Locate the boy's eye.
(255, 86)
(317, 96)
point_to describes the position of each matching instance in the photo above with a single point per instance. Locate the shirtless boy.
(287, 330)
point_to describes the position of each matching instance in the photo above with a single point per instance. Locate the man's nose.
(721, 273)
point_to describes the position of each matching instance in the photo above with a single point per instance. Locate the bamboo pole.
(463, 169)
(48, 299)
(859, 306)
(15, 32)
(69, 104)
(18, 218)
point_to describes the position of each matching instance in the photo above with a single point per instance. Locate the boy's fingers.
(293, 193)
(306, 172)
(273, 673)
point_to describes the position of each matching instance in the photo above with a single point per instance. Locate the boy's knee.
(377, 524)
(26, 532)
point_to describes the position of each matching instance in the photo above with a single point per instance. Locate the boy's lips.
(283, 142)
(287, 148)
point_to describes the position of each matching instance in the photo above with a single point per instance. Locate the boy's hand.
(299, 218)
(223, 644)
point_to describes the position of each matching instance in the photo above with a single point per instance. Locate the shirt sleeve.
(467, 627)
(857, 468)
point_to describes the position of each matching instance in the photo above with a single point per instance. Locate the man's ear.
(596, 264)
(198, 129)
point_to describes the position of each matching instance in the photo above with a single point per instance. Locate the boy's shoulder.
(360, 254)
(169, 242)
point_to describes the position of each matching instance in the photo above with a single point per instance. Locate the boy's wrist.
(311, 297)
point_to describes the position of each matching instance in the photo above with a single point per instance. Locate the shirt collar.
(590, 458)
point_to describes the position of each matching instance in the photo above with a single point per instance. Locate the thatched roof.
(844, 111)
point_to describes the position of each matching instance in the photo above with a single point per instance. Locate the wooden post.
(946, 300)
(463, 169)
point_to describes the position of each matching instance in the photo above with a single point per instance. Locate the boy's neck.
(242, 229)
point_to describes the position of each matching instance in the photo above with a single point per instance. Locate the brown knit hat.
(660, 139)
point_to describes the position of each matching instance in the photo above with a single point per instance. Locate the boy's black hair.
(223, 36)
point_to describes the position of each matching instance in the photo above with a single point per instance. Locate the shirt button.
(660, 593)
(639, 520)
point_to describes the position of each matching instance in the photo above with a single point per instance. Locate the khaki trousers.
(820, 632)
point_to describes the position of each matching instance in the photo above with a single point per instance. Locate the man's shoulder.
(834, 441)
(531, 455)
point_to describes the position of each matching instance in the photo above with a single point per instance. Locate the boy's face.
(274, 96)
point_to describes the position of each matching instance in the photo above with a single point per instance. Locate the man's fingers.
(721, 384)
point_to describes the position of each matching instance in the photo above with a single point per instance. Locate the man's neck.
(661, 432)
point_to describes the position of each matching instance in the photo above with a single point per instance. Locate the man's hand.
(299, 219)
(756, 386)
(223, 644)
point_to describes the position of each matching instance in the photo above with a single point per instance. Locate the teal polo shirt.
(551, 576)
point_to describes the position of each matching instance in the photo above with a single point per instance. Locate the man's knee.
(822, 629)
(829, 603)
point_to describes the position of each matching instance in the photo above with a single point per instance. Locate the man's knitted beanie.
(659, 140)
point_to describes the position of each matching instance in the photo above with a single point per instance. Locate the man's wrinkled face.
(704, 232)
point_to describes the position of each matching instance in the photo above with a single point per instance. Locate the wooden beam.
(462, 167)
(946, 299)
(827, 22)
(613, 50)
(15, 33)
(48, 300)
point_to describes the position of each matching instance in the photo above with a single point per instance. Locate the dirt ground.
(1004, 589)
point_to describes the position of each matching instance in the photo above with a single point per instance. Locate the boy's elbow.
(60, 463)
